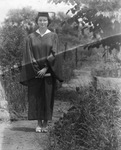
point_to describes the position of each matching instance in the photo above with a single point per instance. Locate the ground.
(21, 135)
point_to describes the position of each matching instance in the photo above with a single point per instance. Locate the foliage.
(24, 18)
(13, 32)
(62, 16)
(96, 24)
(108, 69)
(99, 4)
(109, 43)
(11, 46)
(68, 67)
(105, 5)
(17, 25)
(99, 16)
(95, 21)
(89, 124)
(65, 1)
(16, 95)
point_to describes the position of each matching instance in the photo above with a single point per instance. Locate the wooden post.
(94, 82)
(65, 50)
(76, 57)
(106, 50)
(104, 54)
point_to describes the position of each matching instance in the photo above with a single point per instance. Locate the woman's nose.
(42, 21)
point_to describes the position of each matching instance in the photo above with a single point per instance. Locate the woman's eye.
(42, 20)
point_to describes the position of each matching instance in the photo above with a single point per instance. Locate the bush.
(68, 67)
(16, 95)
(109, 69)
(89, 124)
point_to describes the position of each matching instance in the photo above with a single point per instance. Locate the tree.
(18, 24)
(100, 4)
(97, 15)
(24, 18)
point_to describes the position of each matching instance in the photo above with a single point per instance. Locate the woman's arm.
(54, 60)
(39, 73)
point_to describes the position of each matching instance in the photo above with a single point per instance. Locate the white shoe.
(45, 129)
(38, 129)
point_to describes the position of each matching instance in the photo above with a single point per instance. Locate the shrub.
(16, 94)
(89, 124)
(68, 67)
(109, 69)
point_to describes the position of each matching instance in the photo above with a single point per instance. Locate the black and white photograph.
(60, 74)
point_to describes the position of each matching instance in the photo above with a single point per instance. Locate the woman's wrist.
(46, 66)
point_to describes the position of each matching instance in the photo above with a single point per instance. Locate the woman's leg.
(49, 98)
(39, 126)
(45, 123)
(39, 123)
(35, 100)
(45, 126)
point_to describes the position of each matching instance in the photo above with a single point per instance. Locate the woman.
(41, 68)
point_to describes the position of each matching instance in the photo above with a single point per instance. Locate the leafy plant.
(90, 123)
(101, 17)
(16, 95)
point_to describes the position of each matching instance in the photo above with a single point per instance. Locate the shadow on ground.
(23, 129)
(21, 135)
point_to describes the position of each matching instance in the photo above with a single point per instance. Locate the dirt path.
(20, 135)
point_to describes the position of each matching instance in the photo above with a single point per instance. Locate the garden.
(92, 121)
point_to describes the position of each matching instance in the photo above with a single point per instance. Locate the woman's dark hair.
(44, 14)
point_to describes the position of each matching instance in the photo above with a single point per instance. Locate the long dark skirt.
(41, 98)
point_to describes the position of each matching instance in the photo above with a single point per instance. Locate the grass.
(108, 69)
(90, 123)
(16, 95)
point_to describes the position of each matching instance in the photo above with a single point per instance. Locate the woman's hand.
(42, 72)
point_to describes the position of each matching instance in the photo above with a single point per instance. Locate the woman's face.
(42, 22)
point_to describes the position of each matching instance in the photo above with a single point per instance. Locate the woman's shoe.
(45, 129)
(38, 129)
